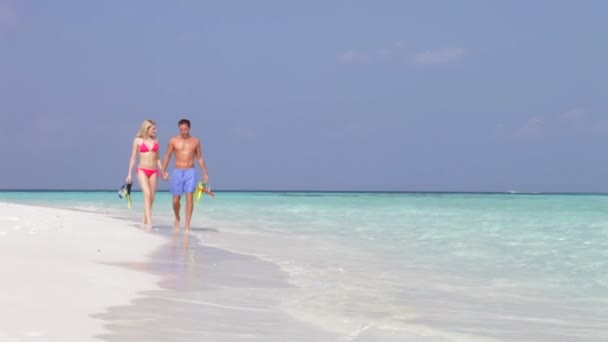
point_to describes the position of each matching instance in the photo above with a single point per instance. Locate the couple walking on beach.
(186, 149)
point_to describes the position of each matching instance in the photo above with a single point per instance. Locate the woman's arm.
(132, 160)
(158, 162)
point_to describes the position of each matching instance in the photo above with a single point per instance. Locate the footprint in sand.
(17, 227)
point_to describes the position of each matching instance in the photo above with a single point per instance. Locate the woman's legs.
(152, 181)
(144, 183)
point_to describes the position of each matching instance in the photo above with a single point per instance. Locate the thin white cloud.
(8, 16)
(534, 127)
(574, 123)
(399, 44)
(440, 56)
(352, 56)
(385, 52)
(393, 50)
(575, 115)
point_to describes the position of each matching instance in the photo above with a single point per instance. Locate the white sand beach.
(60, 267)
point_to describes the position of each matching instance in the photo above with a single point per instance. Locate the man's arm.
(201, 161)
(167, 157)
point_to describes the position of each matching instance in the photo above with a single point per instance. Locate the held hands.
(165, 175)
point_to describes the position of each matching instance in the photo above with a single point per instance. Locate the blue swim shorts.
(183, 181)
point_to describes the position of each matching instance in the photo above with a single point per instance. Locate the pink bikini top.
(144, 148)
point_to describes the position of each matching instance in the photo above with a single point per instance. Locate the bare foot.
(176, 224)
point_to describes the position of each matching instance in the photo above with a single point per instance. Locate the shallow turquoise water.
(491, 265)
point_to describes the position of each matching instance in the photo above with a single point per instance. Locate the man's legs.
(177, 189)
(189, 210)
(176, 206)
(189, 186)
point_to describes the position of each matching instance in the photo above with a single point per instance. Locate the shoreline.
(228, 295)
(208, 292)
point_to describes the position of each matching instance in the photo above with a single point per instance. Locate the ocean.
(449, 266)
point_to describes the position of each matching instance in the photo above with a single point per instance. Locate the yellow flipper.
(199, 191)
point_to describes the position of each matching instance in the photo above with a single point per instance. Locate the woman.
(146, 144)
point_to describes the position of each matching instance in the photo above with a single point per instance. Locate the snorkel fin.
(125, 192)
(201, 189)
(129, 195)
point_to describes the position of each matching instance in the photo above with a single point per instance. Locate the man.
(183, 177)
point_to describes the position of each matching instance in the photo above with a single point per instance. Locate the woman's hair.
(145, 126)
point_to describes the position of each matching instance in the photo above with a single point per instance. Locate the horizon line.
(509, 192)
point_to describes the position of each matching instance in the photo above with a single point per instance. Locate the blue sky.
(315, 95)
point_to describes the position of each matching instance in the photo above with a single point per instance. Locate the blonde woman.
(146, 145)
